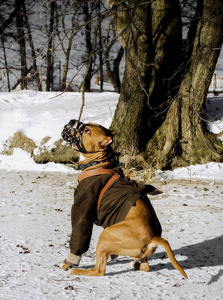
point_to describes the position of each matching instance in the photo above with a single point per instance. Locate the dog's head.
(87, 138)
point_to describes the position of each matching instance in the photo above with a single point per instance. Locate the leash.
(114, 177)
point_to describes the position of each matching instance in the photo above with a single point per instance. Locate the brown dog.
(139, 234)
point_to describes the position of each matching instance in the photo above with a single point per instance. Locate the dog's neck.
(103, 159)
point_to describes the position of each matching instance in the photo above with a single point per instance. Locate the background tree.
(88, 27)
(66, 33)
(113, 65)
(6, 63)
(32, 48)
(101, 71)
(19, 4)
(55, 33)
(6, 21)
(15, 30)
(50, 51)
(160, 111)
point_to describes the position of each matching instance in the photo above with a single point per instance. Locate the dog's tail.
(160, 241)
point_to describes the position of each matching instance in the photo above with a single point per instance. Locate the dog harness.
(114, 176)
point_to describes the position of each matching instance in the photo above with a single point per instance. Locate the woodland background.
(159, 55)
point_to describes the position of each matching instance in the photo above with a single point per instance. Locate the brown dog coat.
(115, 205)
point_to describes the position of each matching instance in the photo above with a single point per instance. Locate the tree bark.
(183, 138)
(160, 110)
(128, 120)
(146, 37)
(113, 73)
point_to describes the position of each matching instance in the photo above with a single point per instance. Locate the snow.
(206, 171)
(214, 109)
(39, 115)
(21, 160)
(35, 213)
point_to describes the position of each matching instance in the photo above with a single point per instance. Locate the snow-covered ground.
(35, 214)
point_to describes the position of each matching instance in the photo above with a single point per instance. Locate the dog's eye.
(87, 130)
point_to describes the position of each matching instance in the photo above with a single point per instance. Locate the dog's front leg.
(100, 266)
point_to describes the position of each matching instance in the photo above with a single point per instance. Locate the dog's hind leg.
(129, 237)
(115, 240)
(142, 266)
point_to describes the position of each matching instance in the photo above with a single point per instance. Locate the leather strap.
(90, 173)
(95, 172)
(111, 180)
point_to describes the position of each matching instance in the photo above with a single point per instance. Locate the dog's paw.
(73, 271)
(65, 266)
(141, 266)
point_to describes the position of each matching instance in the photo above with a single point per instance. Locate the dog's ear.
(113, 132)
(151, 190)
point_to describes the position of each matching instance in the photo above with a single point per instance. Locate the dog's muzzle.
(73, 131)
(69, 133)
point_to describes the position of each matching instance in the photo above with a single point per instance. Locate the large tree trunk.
(146, 37)
(183, 138)
(133, 33)
(160, 109)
